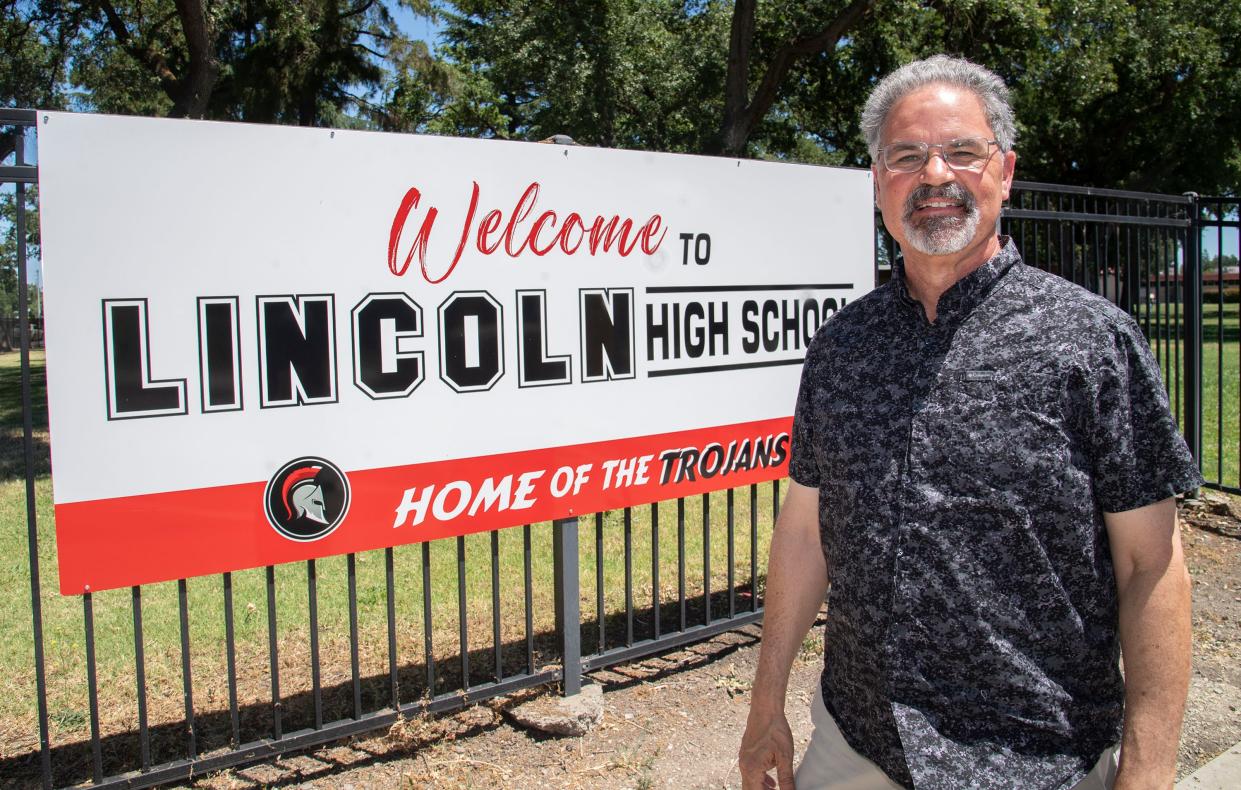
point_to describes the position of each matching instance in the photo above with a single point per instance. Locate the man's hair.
(940, 69)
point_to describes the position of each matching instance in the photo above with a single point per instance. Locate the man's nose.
(936, 169)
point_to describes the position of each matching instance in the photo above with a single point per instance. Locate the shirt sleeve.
(1139, 455)
(803, 461)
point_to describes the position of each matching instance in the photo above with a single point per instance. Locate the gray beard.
(941, 235)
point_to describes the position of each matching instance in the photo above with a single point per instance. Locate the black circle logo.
(307, 498)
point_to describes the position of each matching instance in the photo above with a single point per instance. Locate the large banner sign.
(271, 344)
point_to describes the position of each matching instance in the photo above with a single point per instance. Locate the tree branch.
(740, 117)
(145, 55)
(799, 48)
(361, 8)
(368, 50)
(375, 34)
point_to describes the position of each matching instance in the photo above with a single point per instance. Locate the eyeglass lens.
(967, 153)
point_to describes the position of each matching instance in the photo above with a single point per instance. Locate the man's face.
(938, 210)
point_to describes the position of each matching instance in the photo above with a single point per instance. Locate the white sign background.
(174, 210)
(170, 211)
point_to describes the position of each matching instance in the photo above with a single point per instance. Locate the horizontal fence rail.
(158, 683)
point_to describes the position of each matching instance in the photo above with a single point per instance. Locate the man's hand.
(1152, 589)
(767, 744)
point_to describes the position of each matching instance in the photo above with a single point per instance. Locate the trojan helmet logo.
(307, 498)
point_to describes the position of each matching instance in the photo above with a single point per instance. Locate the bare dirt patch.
(675, 720)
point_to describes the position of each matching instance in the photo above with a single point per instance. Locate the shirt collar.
(967, 293)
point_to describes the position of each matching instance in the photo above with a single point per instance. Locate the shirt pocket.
(1020, 387)
(1000, 427)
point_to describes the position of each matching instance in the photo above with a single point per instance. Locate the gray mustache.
(950, 191)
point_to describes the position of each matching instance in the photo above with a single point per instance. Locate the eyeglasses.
(966, 153)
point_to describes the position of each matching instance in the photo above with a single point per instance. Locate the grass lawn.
(1221, 394)
(1221, 383)
(63, 619)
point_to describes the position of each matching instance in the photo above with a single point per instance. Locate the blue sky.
(416, 26)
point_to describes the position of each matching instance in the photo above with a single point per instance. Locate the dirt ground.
(675, 720)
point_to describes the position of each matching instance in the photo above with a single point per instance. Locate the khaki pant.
(831, 764)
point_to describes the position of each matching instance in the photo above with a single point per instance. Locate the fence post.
(1192, 356)
(568, 616)
(32, 533)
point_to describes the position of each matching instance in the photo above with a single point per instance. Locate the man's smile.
(926, 202)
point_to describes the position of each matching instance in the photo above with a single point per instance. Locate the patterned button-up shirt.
(963, 467)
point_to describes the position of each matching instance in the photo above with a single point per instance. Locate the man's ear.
(1010, 167)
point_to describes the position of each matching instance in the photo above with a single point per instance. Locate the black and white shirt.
(963, 467)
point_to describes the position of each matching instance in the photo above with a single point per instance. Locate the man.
(984, 468)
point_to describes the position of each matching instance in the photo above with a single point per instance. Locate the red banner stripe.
(124, 541)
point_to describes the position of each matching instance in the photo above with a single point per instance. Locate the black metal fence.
(233, 669)
(1216, 345)
(223, 671)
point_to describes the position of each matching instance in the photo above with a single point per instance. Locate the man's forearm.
(1155, 642)
(796, 586)
(1154, 611)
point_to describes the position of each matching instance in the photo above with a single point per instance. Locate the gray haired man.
(984, 468)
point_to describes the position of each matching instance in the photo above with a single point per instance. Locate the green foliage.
(1139, 94)
(300, 63)
(114, 82)
(1142, 95)
(271, 61)
(1211, 263)
(34, 37)
(618, 73)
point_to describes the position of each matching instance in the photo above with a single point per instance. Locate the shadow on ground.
(72, 763)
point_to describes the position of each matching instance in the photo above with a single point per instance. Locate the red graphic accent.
(108, 543)
(515, 236)
(309, 473)
(419, 247)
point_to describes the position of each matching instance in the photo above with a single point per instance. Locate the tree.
(1226, 262)
(801, 39)
(1138, 94)
(621, 73)
(186, 70)
(312, 63)
(275, 61)
(35, 37)
(675, 76)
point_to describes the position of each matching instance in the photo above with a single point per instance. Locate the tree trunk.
(743, 113)
(189, 92)
(197, 84)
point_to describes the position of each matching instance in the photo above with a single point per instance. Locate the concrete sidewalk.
(1222, 773)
